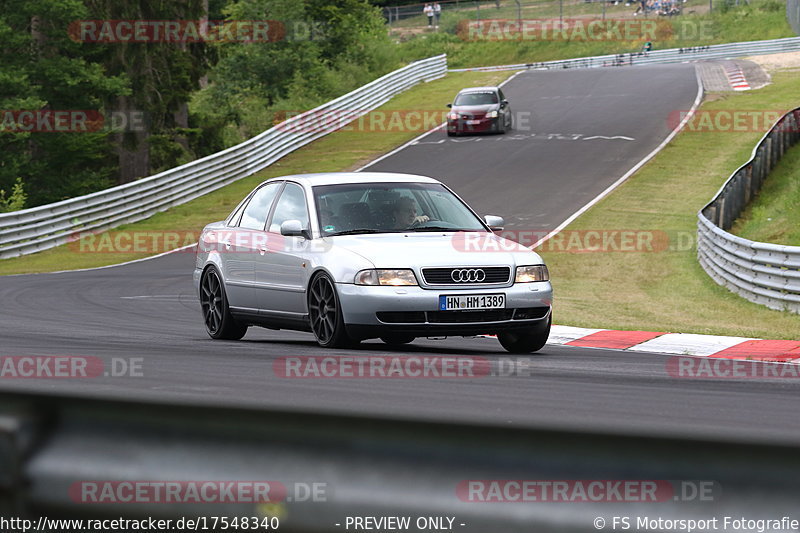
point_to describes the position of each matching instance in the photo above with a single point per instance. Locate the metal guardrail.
(673, 55)
(368, 466)
(39, 228)
(793, 14)
(767, 274)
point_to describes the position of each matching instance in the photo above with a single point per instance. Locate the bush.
(16, 200)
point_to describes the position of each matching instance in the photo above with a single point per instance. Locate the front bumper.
(484, 125)
(374, 311)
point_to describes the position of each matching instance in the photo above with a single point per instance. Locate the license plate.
(472, 301)
(473, 122)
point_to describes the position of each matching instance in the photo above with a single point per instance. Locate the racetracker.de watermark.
(70, 121)
(583, 29)
(584, 490)
(68, 367)
(172, 492)
(176, 31)
(560, 30)
(387, 121)
(575, 241)
(240, 241)
(723, 368)
(728, 120)
(400, 367)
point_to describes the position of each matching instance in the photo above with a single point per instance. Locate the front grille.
(444, 276)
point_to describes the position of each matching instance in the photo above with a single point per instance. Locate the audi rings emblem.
(468, 275)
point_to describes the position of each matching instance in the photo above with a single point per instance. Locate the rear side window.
(257, 210)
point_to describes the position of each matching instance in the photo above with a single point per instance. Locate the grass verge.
(667, 290)
(341, 150)
(774, 215)
(761, 19)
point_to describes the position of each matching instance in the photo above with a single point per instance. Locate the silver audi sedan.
(353, 256)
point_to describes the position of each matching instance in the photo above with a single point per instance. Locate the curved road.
(148, 310)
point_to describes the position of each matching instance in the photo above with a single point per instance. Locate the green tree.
(330, 47)
(162, 76)
(41, 68)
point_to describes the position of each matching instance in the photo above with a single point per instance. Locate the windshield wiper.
(356, 232)
(439, 228)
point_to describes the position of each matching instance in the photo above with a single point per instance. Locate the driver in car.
(405, 213)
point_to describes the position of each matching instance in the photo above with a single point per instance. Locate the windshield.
(476, 98)
(391, 207)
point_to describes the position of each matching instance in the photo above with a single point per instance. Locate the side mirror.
(293, 228)
(494, 223)
(450, 106)
(504, 103)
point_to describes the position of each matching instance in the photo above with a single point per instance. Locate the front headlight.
(394, 277)
(528, 274)
(453, 116)
(491, 114)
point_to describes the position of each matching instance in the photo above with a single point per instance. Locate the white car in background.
(353, 256)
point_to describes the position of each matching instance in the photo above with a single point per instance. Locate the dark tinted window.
(381, 207)
(476, 98)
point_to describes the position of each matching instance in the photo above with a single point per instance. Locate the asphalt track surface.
(148, 310)
(576, 132)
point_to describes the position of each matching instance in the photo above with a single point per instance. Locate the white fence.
(39, 228)
(763, 273)
(672, 55)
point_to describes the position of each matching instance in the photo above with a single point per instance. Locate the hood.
(402, 250)
(475, 109)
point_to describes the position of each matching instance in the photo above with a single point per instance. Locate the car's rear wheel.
(526, 341)
(397, 339)
(325, 314)
(220, 324)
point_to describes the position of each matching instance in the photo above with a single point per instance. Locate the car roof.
(478, 90)
(337, 178)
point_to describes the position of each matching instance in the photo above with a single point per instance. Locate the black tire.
(452, 134)
(526, 341)
(397, 339)
(217, 317)
(325, 313)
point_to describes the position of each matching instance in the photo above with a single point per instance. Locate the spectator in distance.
(428, 10)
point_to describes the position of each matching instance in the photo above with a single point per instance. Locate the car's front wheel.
(526, 341)
(220, 324)
(325, 313)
